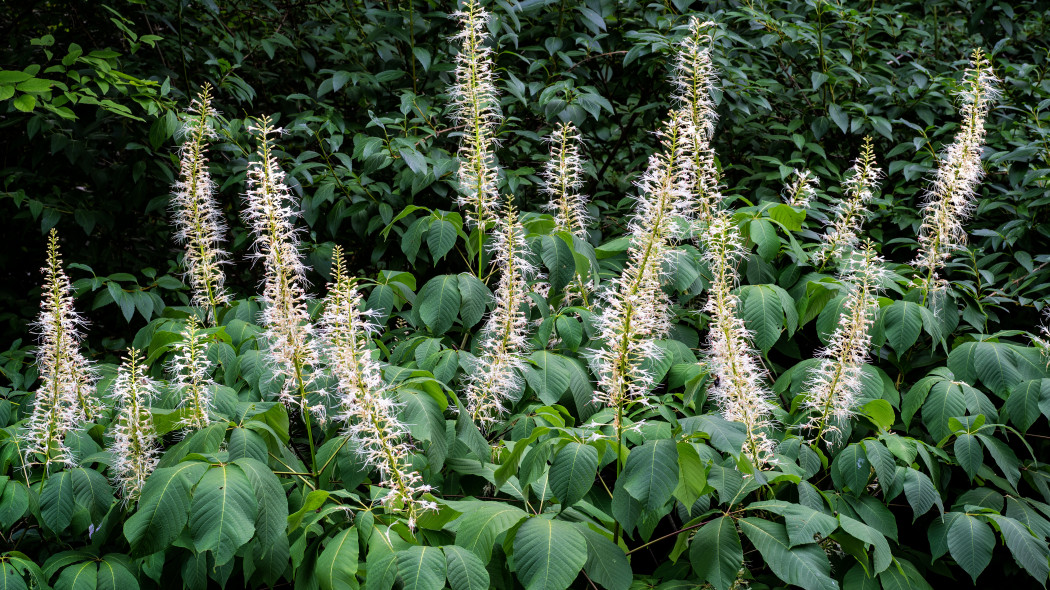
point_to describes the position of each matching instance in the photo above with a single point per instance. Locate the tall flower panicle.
(694, 78)
(739, 384)
(850, 213)
(476, 108)
(496, 380)
(64, 397)
(949, 200)
(198, 222)
(637, 311)
(190, 370)
(367, 405)
(134, 449)
(801, 191)
(562, 180)
(288, 334)
(836, 382)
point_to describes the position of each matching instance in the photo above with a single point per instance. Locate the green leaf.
(921, 493)
(1023, 405)
(802, 523)
(163, 507)
(81, 576)
(994, 366)
(1004, 457)
(91, 490)
(548, 554)
(441, 237)
(438, 303)
(945, 401)
(806, 565)
(692, 474)
(421, 568)
(337, 565)
(548, 377)
(969, 454)
(905, 578)
(464, 569)
(902, 324)
(716, 554)
(763, 314)
(558, 259)
(881, 413)
(1030, 551)
(839, 116)
(869, 536)
(475, 299)
(765, 235)
(56, 501)
(114, 575)
(25, 102)
(851, 469)
(9, 578)
(482, 523)
(13, 503)
(606, 563)
(651, 473)
(572, 473)
(271, 539)
(970, 543)
(222, 512)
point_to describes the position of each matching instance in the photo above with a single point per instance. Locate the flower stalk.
(475, 107)
(190, 371)
(288, 333)
(950, 198)
(694, 79)
(198, 222)
(850, 213)
(134, 447)
(63, 399)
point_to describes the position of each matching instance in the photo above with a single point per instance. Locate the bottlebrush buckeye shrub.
(718, 393)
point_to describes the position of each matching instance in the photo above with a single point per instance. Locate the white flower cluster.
(367, 406)
(850, 213)
(800, 192)
(190, 371)
(636, 310)
(836, 382)
(134, 449)
(562, 179)
(949, 200)
(503, 346)
(64, 398)
(694, 78)
(271, 213)
(739, 381)
(475, 107)
(198, 222)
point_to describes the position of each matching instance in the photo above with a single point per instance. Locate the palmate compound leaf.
(970, 543)
(162, 511)
(572, 473)
(716, 554)
(222, 512)
(806, 565)
(464, 569)
(548, 554)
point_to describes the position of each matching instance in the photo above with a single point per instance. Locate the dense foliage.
(525, 294)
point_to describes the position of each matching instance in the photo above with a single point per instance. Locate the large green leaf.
(222, 512)
(163, 507)
(271, 540)
(994, 365)
(606, 563)
(716, 554)
(482, 522)
(547, 376)
(56, 501)
(1024, 404)
(763, 314)
(11, 579)
(464, 569)
(651, 473)
(548, 554)
(806, 565)
(945, 400)
(113, 574)
(970, 543)
(438, 303)
(803, 524)
(80, 576)
(851, 469)
(13, 503)
(921, 493)
(1030, 551)
(969, 454)
(475, 298)
(441, 237)
(337, 565)
(421, 568)
(869, 536)
(91, 490)
(902, 324)
(572, 473)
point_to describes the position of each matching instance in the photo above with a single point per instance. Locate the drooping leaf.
(970, 542)
(222, 512)
(464, 569)
(806, 565)
(421, 568)
(606, 563)
(572, 473)
(336, 566)
(650, 474)
(716, 554)
(482, 522)
(163, 507)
